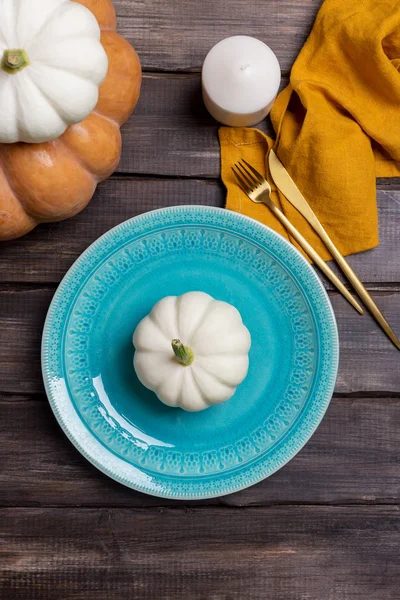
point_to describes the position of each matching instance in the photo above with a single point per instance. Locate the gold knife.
(289, 189)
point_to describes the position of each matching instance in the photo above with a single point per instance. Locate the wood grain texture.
(368, 361)
(280, 553)
(22, 316)
(47, 253)
(44, 255)
(352, 458)
(178, 35)
(171, 132)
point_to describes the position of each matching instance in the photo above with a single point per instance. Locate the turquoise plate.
(120, 426)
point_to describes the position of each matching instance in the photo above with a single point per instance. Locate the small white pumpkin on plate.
(192, 351)
(51, 66)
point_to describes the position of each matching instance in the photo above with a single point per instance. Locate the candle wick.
(244, 67)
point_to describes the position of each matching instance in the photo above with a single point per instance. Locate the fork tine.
(252, 183)
(240, 180)
(258, 175)
(245, 171)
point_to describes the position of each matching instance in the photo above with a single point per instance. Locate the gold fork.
(257, 188)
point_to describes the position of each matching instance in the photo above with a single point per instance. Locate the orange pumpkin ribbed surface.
(55, 180)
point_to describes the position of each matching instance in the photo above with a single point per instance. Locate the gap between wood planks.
(384, 184)
(192, 506)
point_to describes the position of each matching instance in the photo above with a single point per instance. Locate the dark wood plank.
(22, 315)
(171, 132)
(45, 255)
(352, 458)
(369, 362)
(178, 35)
(279, 553)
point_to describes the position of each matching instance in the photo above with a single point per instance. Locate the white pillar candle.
(240, 79)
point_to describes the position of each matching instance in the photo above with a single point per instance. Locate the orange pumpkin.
(55, 180)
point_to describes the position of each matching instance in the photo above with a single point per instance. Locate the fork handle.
(315, 257)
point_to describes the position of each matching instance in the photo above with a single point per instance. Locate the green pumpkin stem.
(183, 354)
(14, 61)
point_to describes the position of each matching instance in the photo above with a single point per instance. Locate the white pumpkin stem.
(14, 61)
(183, 354)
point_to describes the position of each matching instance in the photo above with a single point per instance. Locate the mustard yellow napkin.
(337, 125)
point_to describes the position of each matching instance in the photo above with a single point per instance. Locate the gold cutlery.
(257, 188)
(287, 186)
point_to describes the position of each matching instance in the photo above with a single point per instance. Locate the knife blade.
(287, 186)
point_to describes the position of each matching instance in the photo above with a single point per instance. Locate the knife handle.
(301, 204)
(355, 282)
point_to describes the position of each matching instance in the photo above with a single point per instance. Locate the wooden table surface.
(325, 527)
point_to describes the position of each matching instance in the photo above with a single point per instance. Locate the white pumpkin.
(192, 351)
(52, 63)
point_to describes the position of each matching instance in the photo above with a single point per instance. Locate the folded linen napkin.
(337, 125)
